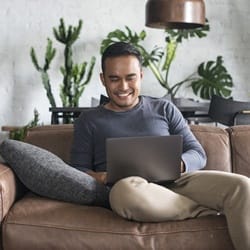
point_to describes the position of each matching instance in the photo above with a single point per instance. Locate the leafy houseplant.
(20, 133)
(75, 76)
(211, 77)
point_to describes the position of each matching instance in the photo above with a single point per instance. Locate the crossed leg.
(194, 194)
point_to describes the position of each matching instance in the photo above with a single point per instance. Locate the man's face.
(122, 80)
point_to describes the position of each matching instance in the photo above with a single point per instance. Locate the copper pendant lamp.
(175, 14)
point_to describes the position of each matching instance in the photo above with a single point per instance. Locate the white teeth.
(125, 94)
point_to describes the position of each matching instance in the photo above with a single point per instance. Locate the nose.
(123, 85)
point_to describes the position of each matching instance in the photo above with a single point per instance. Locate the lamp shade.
(175, 14)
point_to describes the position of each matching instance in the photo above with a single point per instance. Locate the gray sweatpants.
(47, 175)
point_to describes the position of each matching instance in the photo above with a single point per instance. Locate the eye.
(114, 79)
(131, 78)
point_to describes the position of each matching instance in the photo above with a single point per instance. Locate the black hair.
(120, 49)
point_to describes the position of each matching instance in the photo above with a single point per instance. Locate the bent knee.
(136, 198)
(126, 196)
(129, 184)
(126, 191)
(244, 182)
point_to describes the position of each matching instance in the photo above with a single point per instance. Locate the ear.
(142, 74)
(102, 79)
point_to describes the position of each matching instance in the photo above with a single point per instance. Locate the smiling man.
(127, 113)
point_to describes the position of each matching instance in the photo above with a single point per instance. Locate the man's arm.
(193, 156)
(82, 150)
(81, 154)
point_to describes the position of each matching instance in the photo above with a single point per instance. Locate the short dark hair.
(120, 49)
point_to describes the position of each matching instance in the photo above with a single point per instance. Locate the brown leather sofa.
(33, 222)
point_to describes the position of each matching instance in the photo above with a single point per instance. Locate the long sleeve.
(151, 117)
(193, 155)
(82, 146)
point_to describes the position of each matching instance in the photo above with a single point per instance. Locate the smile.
(123, 94)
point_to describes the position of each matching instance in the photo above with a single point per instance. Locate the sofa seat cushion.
(39, 223)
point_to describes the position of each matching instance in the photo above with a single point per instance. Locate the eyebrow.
(113, 76)
(116, 76)
(132, 74)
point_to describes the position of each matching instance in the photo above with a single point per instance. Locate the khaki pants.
(194, 194)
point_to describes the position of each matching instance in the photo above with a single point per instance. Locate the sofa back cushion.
(240, 147)
(55, 138)
(216, 143)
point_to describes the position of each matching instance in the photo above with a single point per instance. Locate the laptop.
(155, 158)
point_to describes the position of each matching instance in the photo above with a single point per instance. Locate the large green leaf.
(179, 34)
(122, 36)
(213, 80)
(134, 38)
(170, 54)
(154, 56)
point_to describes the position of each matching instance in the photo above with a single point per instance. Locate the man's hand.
(183, 168)
(99, 176)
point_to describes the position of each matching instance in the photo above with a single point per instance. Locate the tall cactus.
(75, 76)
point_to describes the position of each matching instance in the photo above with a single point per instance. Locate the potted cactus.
(75, 76)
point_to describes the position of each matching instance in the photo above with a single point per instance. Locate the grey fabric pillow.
(46, 174)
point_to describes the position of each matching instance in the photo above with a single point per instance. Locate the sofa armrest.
(10, 189)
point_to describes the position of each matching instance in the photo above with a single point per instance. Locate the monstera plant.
(210, 78)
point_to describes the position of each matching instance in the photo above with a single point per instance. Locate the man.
(127, 113)
(122, 77)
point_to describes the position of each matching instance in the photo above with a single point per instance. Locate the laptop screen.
(155, 158)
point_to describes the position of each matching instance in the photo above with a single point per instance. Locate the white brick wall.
(26, 23)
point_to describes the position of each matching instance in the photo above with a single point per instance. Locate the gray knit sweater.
(151, 116)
